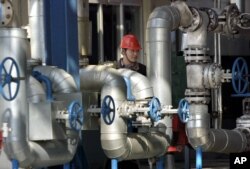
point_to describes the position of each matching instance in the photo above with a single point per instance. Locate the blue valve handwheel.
(154, 109)
(183, 110)
(9, 79)
(108, 110)
(240, 76)
(75, 115)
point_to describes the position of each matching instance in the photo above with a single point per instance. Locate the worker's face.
(132, 55)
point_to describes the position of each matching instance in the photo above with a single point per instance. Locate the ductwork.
(115, 140)
(36, 91)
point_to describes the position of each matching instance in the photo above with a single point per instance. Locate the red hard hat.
(130, 42)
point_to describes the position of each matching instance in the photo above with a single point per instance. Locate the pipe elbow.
(115, 146)
(167, 17)
(62, 81)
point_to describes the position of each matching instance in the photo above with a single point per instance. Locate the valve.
(240, 75)
(154, 109)
(10, 78)
(75, 115)
(183, 110)
(108, 110)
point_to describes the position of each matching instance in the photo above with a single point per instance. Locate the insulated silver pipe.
(62, 82)
(37, 32)
(140, 85)
(36, 91)
(212, 140)
(115, 140)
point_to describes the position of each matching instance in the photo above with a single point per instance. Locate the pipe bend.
(62, 81)
(140, 85)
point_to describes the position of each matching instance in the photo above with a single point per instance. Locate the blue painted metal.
(199, 158)
(62, 35)
(108, 110)
(75, 115)
(41, 78)
(66, 166)
(130, 96)
(154, 109)
(114, 164)
(160, 163)
(7, 78)
(15, 164)
(241, 95)
(183, 110)
(240, 76)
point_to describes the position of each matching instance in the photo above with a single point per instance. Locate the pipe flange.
(246, 132)
(196, 21)
(197, 96)
(243, 121)
(212, 76)
(196, 54)
(213, 18)
(6, 15)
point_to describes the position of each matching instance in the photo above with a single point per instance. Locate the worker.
(130, 51)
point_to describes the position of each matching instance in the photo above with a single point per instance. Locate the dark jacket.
(138, 67)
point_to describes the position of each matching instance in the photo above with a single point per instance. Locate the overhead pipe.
(116, 142)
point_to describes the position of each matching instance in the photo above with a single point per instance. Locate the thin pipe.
(100, 31)
(120, 29)
(199, 158)
(114, 164)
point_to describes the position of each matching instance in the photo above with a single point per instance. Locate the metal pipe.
(100, 31)
(161, 22)
(36, 91)
(62, 82)
(116, 142)
(120, 28)
(141, 87)
(37, 30)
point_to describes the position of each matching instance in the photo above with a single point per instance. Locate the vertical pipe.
(187, 157)
(100, 31)
(66, 166)
(160, 163)
(37, 30)
(120, 28)
(217, 93)
(114, 163)
(15, 164)
(199, 158)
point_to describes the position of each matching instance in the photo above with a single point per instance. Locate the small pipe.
(15, 164)
(100, 31)
(114, 163)
(160, 163)
(199, 158)
(47, 83)
(66, 166)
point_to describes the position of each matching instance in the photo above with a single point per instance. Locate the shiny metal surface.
(115, 140)
(62, 82)
(140, 85)
(37, 32)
